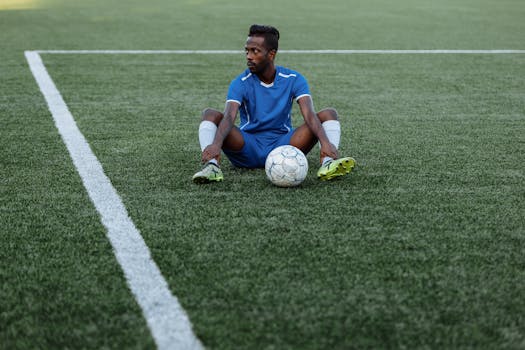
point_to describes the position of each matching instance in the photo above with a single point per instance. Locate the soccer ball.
(286, 166)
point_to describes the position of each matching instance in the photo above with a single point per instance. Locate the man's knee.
(328, 114)
(211, 115)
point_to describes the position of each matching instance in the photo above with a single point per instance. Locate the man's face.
(258, 57)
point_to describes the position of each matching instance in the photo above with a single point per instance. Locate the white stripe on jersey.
(303, 95)
(238, 102)
(247, 118)
(246, 77)
(287, 75)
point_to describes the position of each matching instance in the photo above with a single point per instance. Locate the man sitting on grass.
(263, 95)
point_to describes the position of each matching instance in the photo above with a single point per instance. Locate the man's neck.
(268, 76)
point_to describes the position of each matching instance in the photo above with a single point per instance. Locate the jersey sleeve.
(301, 87)
(235, 92)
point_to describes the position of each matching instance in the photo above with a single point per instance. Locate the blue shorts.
(256, 148)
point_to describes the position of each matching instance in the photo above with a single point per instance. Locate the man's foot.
(209, 173)
(335, 168)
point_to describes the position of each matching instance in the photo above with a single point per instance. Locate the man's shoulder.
(245, 75)
(285, 72)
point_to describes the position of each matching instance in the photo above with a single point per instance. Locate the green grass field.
(422, 247)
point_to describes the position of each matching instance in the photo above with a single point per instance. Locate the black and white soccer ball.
(286, 166)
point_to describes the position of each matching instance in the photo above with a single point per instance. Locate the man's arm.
(225, 126)
(306, 106)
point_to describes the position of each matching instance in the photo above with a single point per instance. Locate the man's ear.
(272, 54)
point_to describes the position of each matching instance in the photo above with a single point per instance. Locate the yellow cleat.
(209, 173)
(336, 168)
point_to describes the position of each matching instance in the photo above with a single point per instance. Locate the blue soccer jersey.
(267, 107)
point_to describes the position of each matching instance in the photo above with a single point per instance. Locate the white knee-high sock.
(332, 129)
(207, 131)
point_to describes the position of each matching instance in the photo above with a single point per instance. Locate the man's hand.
(210, 152)
(329, 150)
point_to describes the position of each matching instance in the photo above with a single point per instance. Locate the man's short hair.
(270, 34)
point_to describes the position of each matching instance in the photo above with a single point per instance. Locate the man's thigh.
(303, 138)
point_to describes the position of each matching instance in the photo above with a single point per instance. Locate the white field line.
(229, 52)
(168, 322)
